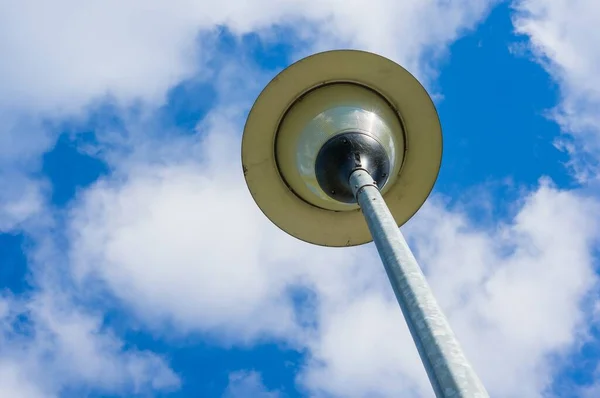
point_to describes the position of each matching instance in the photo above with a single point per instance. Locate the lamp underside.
(272, 162)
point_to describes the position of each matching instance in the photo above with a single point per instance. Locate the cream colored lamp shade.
(322, 96)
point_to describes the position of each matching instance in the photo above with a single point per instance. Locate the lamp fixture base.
(345, 153)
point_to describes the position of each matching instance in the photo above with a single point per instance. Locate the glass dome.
(322, 114)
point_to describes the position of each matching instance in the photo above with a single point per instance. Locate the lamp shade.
(316, 99)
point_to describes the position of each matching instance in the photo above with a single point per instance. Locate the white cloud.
(49, 344)
(15, 383)
(159, 240)
(184, 243)
(591, 391)
(63, 54)
(564, 37)
(363, 349)
(22, 142)
(247, 384)
(516, 294)
(23, 201)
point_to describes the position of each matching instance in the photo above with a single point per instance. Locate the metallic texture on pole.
(450, 373)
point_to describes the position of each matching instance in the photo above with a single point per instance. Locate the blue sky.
(133, 261)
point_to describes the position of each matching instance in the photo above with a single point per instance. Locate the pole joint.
(359, 179)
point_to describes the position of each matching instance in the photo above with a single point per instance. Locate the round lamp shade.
(316, 99)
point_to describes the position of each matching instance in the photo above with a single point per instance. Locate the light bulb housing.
(345, 153)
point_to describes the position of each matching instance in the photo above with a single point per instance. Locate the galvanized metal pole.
(450, 373)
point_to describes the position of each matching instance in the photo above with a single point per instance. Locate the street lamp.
(343, 137)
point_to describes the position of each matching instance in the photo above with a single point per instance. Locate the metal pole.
(450, 373)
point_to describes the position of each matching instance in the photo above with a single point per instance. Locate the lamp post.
(343, 137)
